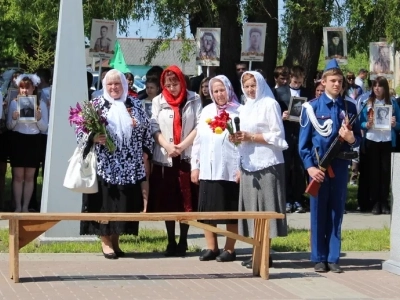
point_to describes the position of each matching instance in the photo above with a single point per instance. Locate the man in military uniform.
(103, 43)
(323, 119)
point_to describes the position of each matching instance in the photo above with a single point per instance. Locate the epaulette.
(312, 100)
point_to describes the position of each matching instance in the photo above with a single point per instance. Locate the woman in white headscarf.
(215, 167)
(262, 137)
(120, 173)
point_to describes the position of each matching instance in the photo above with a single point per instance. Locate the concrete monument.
(69, 87)
(393, 264)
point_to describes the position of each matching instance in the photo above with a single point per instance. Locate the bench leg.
(265, 249)
(258, 228)
(14, 250)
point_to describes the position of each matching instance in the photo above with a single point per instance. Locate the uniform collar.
(328, 99)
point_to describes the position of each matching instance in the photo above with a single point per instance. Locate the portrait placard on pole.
(335, 44)
(208, 41)
(253, 42)
(381, 60)
(102, 38)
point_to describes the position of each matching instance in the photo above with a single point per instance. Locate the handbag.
(81, 176)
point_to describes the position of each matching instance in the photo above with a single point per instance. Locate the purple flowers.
(87, 119)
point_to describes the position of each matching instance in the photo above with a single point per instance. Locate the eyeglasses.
(351, 78)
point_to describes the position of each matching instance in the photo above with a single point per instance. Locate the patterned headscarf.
(232, 99)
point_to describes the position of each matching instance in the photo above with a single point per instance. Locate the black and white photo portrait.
(147, 107)
(103, 37)
(27, 108)
(381, 60)
(253, 42)
(295, 106)
(335, 44)
(382, 117)
(208, 46)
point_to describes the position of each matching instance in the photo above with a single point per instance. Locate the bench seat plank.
(141, 216)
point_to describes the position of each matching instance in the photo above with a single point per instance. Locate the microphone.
(237, 123)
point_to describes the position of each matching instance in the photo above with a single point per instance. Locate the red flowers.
(220, 123)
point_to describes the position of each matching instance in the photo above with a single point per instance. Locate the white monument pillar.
(69, 87)
(393, 264)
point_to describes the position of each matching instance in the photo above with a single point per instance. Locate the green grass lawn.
(352, 240)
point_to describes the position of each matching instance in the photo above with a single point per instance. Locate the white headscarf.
(118, 118)
(263, 90)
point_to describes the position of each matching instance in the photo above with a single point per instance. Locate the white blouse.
(378, 135)
(28, 128)
(262, 116)
(215, 156)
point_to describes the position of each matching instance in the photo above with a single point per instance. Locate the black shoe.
(171, 249)
(385, 209)
(334, 268)
(225, 256)
(320, 267)
(110, 255)
(376, 210)
(249, 265)
(247, 261)
(298, 208)
(181, 249)
(209, 255)
(120, 253)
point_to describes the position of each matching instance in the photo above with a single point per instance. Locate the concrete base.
(391, 266)
(47, 240)
(393, 263)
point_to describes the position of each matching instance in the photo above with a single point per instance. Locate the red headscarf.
(175, 102)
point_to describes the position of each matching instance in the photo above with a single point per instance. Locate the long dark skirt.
(218, 195)
(112, 199)
(171, 189)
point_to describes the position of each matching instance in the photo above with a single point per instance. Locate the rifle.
(333, 151)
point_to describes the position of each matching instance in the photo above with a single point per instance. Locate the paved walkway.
(146, 276)
(150, 276)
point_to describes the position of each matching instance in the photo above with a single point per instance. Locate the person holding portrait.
(378, 145)
(120, 174)
(217, 171)
(262, 168)
(175, 115)
(26, 148)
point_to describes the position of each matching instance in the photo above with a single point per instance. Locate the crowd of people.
(168, 159)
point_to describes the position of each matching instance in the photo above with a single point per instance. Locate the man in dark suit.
(26, 111)
(294, 170)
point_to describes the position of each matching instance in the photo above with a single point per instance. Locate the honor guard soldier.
(322, 121)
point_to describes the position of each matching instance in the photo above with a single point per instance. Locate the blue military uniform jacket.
(325, 108)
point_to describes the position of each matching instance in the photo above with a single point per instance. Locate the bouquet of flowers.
(87, 119)
(220, 123)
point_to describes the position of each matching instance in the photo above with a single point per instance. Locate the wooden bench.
(25, 227)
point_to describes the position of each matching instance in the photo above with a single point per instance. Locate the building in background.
(134, 51)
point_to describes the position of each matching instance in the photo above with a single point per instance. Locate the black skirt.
(218, 195)
(112, 199)
(26, 150)
(5, 145)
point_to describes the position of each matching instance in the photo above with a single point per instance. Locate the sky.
(146, 29)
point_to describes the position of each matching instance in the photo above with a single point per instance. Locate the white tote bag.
(81, 174)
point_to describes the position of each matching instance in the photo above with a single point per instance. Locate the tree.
(304, 20)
